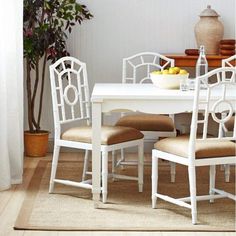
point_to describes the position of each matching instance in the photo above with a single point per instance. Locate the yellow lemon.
(172, 71)
(183, 72)
(165, 72)
(177, 69)
(157, 72)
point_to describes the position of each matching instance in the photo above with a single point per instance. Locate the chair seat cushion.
(109, 135)
(230, 124)
(147, 122)
(204, 148)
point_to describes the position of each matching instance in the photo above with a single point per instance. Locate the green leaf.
(78, 7)
(51, 21)
(47, 6)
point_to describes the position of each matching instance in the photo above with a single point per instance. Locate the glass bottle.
(202, 64)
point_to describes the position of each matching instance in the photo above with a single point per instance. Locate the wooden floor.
(11, 200)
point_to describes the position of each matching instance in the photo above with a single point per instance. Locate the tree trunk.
(28, 86)
(34, 95)
(42, 88)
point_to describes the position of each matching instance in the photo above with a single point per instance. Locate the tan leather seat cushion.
(147, 122)
(207, 148)
(109, 135)
(230, 124)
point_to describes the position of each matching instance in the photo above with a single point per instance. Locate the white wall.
(121, 28)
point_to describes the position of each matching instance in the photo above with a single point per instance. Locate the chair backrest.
(228, 62)
(70, 91)
(218, 98)
(137, 68)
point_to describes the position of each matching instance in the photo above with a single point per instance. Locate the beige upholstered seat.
(147, 122)
(109, 135)
(207, 148)
(230, 124)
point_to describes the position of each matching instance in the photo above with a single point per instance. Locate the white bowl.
(168, 81)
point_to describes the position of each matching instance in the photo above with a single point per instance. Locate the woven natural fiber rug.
(127, 210)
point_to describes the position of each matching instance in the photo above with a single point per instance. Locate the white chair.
(71, 103)
(228, 62)
(193, 151)
(136, 69)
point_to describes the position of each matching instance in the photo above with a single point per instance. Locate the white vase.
(209, 31)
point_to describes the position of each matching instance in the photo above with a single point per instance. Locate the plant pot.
(36, 144)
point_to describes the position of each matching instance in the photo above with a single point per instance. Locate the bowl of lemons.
(169, 78)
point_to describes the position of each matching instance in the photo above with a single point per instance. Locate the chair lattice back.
(137, 68)
(228, 62)
(70, 91)
(216, 100)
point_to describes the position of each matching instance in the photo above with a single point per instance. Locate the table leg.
(96, 153)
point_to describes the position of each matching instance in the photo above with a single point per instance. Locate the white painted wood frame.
(137, 69)
(228, 62)
(211, 105)
(66, 74)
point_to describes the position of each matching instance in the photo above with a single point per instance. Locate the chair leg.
(104, 175)
(227, 173)
(222, 167)
(172, 172)
(154, 180)
(140, 167)
(56, 152)
(86, 162)
(212, 181)
(114, 161)
(122, 155)
(192, 187)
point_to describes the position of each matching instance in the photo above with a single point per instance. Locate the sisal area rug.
(71, 208)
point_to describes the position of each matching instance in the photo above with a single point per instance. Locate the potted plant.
(46, 25)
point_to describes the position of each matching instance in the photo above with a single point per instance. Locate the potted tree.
(46, 26)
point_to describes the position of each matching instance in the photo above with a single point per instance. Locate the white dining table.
(111, 97)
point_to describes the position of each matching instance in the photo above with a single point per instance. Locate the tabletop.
(103, 91)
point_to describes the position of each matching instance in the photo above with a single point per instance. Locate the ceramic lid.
(209, 12)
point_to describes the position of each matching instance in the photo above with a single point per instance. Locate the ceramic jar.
(209, 31)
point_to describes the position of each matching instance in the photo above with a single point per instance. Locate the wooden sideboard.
(183, 60)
